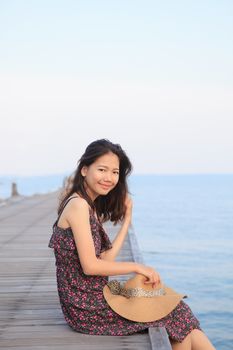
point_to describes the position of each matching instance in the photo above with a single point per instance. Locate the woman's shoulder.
(77, 202)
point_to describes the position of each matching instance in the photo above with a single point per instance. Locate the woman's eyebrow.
(104, 166)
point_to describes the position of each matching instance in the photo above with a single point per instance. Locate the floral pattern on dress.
(81, 296)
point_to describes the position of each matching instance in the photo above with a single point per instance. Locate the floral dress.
(81, 296)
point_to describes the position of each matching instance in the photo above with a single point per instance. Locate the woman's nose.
(108, 176)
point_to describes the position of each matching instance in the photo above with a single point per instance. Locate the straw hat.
(140, 302)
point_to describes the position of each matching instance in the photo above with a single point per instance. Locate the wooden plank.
(158, 335)
(159, 338)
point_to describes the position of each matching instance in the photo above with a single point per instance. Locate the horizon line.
(132, 174)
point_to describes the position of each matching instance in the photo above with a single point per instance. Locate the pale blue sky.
(157, 77)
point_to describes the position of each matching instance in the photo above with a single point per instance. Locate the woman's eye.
(115, 172)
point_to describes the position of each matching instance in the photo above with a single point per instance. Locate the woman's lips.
(105, 187)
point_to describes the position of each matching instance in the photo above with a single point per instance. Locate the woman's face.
(102, 175)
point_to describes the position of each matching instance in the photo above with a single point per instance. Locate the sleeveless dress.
(81, 296)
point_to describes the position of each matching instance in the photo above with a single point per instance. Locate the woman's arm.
(77, 215)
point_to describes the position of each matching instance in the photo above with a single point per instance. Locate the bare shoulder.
(77, 212)
(76, 207)
(78, 203)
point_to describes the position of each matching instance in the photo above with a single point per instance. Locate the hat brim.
(143, 309)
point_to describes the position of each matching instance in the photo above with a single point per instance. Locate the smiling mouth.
(105, 187)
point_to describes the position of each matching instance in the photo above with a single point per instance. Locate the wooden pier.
(30, 314)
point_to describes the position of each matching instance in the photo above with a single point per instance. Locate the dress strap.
(66, 202)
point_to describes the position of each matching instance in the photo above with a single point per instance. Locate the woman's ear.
(84, 170)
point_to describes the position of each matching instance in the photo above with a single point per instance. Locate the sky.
(154, 76)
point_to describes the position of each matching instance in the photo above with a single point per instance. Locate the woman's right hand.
(151, 274)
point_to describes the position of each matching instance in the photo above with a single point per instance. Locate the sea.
(184, 228)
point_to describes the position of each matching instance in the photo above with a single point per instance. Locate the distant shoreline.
(19, 198)
(31, 185)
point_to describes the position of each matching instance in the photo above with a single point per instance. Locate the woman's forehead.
(108, 160)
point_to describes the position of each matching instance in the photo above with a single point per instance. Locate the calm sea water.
(184, 226)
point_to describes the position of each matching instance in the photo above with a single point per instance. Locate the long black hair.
(111, 206)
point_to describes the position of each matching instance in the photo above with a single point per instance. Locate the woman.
(85, 257)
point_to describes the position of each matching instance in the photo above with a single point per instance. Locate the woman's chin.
(104, 192)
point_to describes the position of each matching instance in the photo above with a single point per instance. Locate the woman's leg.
(199, 341)
(196, 340)
(184, 345)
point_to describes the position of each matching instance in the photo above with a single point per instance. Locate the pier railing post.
(158, 335)
(14, 190)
